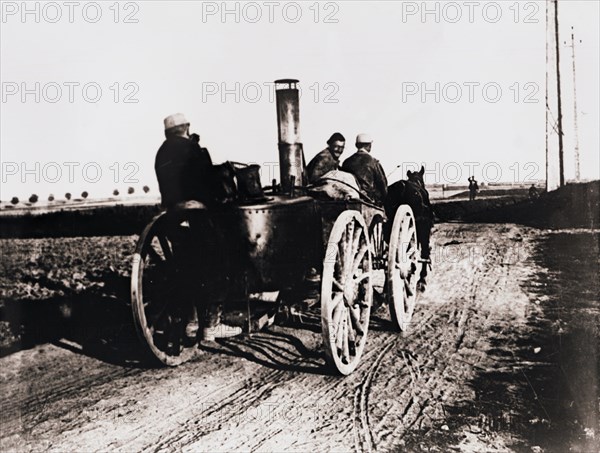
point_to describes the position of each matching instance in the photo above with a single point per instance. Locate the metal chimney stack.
(291, 155)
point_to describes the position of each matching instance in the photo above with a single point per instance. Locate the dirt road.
(490, 363)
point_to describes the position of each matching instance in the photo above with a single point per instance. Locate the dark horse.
(413, 193)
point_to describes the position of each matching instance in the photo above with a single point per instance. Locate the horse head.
(416, 177)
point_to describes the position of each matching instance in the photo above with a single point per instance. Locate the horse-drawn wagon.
(276, 243)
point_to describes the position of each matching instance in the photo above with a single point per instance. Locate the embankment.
(571, 206)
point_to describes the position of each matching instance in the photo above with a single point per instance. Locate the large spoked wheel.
(346, 292)
(403, 267)
(161, 295)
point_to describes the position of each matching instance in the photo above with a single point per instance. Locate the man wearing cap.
(182, 167)
(326, 160)
(367, 170)
(184, 171)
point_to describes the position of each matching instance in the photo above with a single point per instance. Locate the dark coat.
(320, 164)
(183, 170)
(369, 174)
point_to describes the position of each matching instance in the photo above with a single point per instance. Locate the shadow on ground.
(99, 325)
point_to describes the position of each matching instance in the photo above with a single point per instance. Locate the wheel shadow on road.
(275, 350)
(97, 326)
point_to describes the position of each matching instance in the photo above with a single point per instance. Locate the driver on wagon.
(184, 172)
(367, 170)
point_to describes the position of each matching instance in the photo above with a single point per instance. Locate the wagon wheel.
(346, 292)
(377, 242)
(379, 249)
(160, 292)
(402, 268)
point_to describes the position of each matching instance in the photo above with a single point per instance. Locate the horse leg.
(422, 283)
(424, 233)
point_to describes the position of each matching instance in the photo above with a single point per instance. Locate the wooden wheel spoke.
(153, 254)
(358, 231)
(345, 347)
(408, 288)
(340, 264)
(337, 325)
(337, 285)
(355, 320)
(350, 246)
(337, 299)
(336, 314)
(359, 258)
(405, 232)
(362, 277)
(352, 333)
(166, 247)
(349, 238)
(412, 253)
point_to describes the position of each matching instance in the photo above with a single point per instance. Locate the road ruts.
(271, 391)
(429, 366)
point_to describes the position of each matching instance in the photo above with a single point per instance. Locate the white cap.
(364, 138)
(177, 119)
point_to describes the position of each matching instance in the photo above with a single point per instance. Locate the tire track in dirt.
(36, 399)
(417, 401)
(362, 430)
(215, 402)
(328, 388)
(363, 433)
(243, 394)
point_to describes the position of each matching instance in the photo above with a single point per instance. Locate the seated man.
(184, 172)
(326, 160)
(367, 170)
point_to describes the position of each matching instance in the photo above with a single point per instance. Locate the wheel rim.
(156, 295)
(346, 292)
(403, 267)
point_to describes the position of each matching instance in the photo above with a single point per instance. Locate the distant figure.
(367, 170)
(327, 160)
(473, 188)
(533, 192)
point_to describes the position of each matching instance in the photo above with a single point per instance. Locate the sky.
(456, 86)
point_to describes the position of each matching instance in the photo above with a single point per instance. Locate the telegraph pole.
(561, 163)
(575, 125)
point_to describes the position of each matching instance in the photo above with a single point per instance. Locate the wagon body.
(273, 244)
